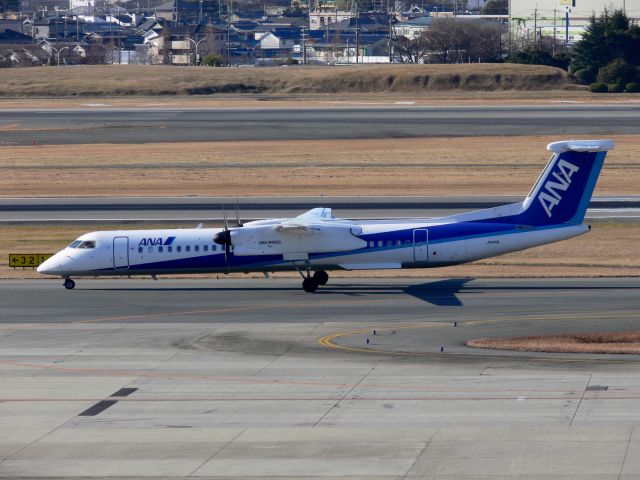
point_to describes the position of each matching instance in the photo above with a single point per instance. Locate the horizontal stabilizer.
(581, 146)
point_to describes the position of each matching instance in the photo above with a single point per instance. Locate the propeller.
(224, 237)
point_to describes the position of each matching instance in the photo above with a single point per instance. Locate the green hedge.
(598, 87)
(633, 87)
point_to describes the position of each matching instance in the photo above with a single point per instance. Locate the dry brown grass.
(112, 80)
(610, 249)
(422, 166)
(604, 342)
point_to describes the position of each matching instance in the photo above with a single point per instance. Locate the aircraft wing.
(314, 215)
(305, 224)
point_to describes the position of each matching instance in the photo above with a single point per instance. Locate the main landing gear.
(310, 283)
(69, 284)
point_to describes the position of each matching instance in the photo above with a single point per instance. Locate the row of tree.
(607, 57)
(449, 40)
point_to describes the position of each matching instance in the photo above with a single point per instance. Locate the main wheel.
(69, 284)
(321, 277)
(309, 284)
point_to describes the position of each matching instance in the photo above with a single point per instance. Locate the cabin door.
(121, 253)
(420, 245)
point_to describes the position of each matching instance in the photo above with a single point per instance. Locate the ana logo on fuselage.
(549, 196)
(150, 242)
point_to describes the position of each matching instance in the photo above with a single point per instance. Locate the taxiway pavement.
(157, 125)
(196, 209)
(236, 378)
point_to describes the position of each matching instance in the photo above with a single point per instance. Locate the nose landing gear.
(69, 284)
(310, 283)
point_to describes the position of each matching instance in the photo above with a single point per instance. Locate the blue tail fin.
(563, 191)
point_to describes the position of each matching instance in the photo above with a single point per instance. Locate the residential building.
(413, 28)
(323, 17)
(177, 45)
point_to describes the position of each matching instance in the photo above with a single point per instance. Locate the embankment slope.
(122, 80)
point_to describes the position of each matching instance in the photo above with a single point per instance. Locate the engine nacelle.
(285, 239)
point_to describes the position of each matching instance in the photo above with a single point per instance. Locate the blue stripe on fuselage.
(437, 234)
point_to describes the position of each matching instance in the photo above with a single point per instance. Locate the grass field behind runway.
(417, 166)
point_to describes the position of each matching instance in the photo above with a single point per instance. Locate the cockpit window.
(75, 244)
(88, 244)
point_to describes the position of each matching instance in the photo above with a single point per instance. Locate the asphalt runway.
(156, 125)
(392, 300)
(241, 378)
(197, 209)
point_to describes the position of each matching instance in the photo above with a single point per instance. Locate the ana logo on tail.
(549, 196)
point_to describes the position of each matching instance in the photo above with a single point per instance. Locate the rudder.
(563, 191)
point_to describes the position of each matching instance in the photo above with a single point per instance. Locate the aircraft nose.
(50, 266)
(46, 266)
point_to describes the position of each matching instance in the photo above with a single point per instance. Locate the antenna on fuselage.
(238, 221)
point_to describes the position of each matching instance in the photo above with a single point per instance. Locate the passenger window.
(399, 242)
(187, 248)
(179, 248)
(205, 248)
(214, 247)
(159, 249)
(380, 243)
(372, 244)
(197, 248)
(169, 249)
(150, 249)
(389, 243)
(139, 249)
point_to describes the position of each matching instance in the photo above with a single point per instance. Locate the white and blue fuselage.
(315, 241)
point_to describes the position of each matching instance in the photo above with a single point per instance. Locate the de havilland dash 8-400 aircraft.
(316, 242)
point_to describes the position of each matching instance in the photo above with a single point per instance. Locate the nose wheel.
(69, 284)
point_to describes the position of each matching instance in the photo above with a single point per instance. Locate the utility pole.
(535, 24)
(553, 46)
(357, 35)
(229, 14)
(390, 44)
(566, 26)
(119, 43)
(303, 38)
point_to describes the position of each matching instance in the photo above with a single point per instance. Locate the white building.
(323, 17)
(88, 4)
(542, 15)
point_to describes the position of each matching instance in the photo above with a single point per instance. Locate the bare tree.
(166, 47)
(443, 39)
(412, 50)
(94, 54)
(450, 40)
